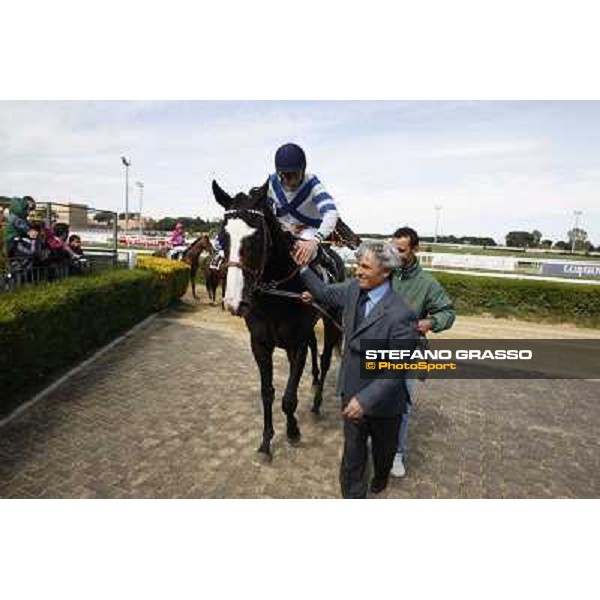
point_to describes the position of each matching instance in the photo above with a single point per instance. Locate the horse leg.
(331, 338)
(289, 401)
(314, 354)
(207, 283)
(263, 355)
(193, 272)
(223, 286)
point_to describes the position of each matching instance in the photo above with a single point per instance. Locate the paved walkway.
(174, 412)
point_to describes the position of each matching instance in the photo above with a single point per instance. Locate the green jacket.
(423, 294)
(17, 225)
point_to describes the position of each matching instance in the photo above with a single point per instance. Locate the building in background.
(76, 215)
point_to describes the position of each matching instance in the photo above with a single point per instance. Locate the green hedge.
(49, 327)
(532, 300)
(172, 278)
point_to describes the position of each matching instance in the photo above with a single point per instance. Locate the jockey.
(301, 203)
(177, 242)
(219, 256)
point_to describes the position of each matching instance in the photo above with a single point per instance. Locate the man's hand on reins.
(304, 251)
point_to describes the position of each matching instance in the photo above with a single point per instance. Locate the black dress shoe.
(378, 485)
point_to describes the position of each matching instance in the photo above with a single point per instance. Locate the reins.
(270, 291)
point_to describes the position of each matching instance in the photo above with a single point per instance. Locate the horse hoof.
(294, 440)
(264, 457)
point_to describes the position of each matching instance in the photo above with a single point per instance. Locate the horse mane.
(282, 240)
(258, 197)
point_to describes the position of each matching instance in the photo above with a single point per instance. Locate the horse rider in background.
(219, 256)
(177, 242)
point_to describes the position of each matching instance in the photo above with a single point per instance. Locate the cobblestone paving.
(174, 412)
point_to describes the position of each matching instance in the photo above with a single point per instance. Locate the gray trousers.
(383, 432)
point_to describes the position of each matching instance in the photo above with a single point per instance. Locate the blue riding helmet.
(290, 158)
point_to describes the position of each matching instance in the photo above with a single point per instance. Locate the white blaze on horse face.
(238, 231)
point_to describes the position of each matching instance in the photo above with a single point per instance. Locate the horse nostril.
(243, 309)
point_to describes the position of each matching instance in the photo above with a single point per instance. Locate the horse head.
(199, 245)
(250, 233)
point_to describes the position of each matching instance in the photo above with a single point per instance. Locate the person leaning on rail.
(20, 238)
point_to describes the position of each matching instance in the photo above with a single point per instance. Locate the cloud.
(491, 165)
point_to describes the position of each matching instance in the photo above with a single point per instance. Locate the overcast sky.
(492, 166)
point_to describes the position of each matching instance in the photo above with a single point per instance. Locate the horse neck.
(199, 246)
(279, 263)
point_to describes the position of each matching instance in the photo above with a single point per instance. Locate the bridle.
(268, 288)
(256, 274)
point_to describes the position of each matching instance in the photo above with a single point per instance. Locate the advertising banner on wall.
(571, 269)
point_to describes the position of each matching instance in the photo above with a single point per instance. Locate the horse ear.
(259, 194)
(222, 197)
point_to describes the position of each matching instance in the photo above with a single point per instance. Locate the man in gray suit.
(370, 407)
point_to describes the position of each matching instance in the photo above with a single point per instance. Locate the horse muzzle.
(240, 309)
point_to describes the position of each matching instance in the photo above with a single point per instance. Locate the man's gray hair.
(385, 253)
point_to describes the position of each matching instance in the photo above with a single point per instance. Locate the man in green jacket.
(20, 238)
(434, 309)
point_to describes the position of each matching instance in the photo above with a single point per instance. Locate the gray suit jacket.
(390, 319)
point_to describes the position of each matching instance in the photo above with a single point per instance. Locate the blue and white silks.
(309, 208)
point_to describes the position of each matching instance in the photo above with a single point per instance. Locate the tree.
(149, 224)
(166, 224)
(562, 245)
(546, 244)
(104, 217)
(519, 239)
(476, 241)
(577, 235)
(588, 247)
(537, 236)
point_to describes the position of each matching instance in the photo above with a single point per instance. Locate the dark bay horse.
(191, 256)
(213, 277)
(258, 254)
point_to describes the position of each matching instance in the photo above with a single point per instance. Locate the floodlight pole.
(140, 185)
(127, 163)
(577, 214)
(438, 208)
